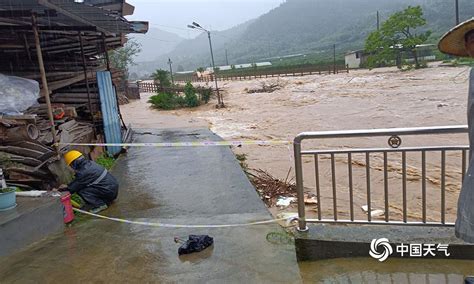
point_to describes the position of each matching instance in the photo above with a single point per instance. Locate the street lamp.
(220, 101)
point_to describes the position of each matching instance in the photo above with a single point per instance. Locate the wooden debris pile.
(266, 87)
(26, 151)
(270, 188)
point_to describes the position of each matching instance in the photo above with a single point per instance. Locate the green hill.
(310, 27)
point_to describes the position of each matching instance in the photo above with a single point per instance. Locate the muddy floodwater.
(392, 271)
(362, 99)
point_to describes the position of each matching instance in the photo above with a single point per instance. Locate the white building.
(355, 58)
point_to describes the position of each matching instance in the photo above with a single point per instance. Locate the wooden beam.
(43, 78)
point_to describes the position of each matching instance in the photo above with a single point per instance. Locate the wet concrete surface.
(30, 221)
(167, 185)
(367, 270)
(325, 241)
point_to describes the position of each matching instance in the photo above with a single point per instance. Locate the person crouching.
(94, 184)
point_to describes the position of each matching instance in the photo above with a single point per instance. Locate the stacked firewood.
(27, 154)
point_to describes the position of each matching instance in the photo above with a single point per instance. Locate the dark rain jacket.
(465, 218)
(93, 183)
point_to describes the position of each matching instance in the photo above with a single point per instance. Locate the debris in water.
(285, 201)
(373, 213)
(310, 199)
(286, 215)
(271, 188)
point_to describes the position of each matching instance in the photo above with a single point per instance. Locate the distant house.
(355, 59)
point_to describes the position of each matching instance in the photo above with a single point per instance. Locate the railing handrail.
(381, 150)
(298, 153)
(450, 129)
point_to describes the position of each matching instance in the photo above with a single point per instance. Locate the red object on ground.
(68, 213)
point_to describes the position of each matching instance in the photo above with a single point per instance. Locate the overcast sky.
(175, 15)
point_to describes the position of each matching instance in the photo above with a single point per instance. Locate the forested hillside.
(308, 26)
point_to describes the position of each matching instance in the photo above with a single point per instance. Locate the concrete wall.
(352, 60)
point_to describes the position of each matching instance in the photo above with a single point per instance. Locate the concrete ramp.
(187, 185)
(202, 185)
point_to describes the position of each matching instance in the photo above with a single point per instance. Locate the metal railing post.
(299, 185)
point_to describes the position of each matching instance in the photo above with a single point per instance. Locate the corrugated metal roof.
(71, 13)
(110, 113)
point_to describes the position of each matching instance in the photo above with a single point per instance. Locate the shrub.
(206, 95)
(190, 95)
(165, 101)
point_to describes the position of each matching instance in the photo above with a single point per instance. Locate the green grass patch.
(105, 161)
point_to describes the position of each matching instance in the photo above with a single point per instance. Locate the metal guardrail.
(240, 75)
(394, 142)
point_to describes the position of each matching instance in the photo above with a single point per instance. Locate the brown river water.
(362, 99)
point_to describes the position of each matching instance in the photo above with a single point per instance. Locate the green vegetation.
(105, 161)
(169, 100)
(190, 95)
(166, 101)
(397, 35)
(162, 78)
(77, 201)
(123, 58)
(242, 158)
(310, 27)
(8, 189)
(206, 95)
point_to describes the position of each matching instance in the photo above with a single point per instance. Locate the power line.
(170, 27)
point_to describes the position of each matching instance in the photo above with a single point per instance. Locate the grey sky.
(175, 15)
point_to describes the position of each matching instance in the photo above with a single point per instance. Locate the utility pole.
(457, 11)
(334, 53)
(226, 57)
(378, 20)
(220, 101)
(171, 70)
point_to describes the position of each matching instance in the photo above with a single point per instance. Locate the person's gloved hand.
(62, 187)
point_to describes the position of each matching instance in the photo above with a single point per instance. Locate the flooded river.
(362, 99)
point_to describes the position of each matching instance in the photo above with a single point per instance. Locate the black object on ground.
(195, 243)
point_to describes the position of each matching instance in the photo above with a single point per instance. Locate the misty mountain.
(192, 53)
(155, 43)
(307, 26)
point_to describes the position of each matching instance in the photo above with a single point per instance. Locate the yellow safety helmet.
(71, 156)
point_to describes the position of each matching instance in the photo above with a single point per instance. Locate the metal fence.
(150, 87)
(265, 73)
(418, 155)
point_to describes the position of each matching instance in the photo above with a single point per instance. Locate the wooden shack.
(61, 44)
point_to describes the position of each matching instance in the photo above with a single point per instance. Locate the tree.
(161, 77)
(200, 69)
(397, 35)
(123, 57)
